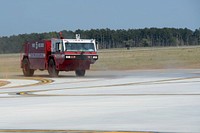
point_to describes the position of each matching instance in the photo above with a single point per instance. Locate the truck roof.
(76, 40)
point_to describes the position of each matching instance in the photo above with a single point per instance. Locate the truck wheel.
(80, 73)
(52, 69)
(26, 68)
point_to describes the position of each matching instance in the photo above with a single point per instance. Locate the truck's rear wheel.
(52, 69)
(80, 73)
(26, 68)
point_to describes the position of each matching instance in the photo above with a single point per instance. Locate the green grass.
(122, 59)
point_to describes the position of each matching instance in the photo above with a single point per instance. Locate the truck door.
(58, 52)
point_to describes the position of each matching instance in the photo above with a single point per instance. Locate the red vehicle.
(59, 55)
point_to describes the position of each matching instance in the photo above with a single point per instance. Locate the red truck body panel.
(37, 53)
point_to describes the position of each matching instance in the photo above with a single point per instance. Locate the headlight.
(95, 57)
(67, 56)
(70, 56)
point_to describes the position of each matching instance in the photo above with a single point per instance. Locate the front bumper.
(77, 62)
(81, 57)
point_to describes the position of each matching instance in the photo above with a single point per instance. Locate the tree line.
(108, 38)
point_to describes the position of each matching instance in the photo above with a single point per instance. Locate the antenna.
(61, 36)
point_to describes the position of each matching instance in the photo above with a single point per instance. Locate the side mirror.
(97, 45)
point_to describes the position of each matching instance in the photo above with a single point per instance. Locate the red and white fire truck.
(59, 55)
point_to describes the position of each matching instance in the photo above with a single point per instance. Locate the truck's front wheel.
(52, 69)
(26, 68)
(80, 73)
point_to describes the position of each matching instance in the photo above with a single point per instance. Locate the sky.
(38, 16)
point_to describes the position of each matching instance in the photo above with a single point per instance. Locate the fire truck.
(59, 54)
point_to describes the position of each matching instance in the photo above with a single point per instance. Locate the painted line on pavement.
(41, 81)
(45, 81)
(121, 85)
(31, 93)
(105, 95)
(72, 131)
(3, 83)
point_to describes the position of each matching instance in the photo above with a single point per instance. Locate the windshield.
(79, 47)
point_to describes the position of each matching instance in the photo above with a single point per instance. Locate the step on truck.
(59, 54)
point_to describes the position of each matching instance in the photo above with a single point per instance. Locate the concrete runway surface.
(102, 101)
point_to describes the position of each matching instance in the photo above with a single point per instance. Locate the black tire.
(80, 73)
(26, 68)
(52, 69)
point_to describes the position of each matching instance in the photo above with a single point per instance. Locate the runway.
(141, 101)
